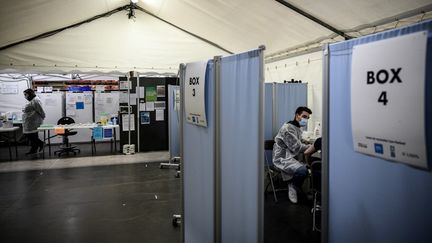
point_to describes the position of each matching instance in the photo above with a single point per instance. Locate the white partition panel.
(268, 107)
(198, 172)
(12, 97)
(81, 113)
(241, 147)
(173, 122)
(107, 104)
(287, 97)
(52, 103)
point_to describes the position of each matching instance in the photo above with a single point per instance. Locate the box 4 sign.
(388, 99)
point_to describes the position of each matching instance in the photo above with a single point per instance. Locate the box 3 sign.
(195, 93)
(388, 99)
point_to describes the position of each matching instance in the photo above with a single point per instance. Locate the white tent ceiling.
(149, 44)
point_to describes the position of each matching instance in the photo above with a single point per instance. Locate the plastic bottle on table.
(317, 130)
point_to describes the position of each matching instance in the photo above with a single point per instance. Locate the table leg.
(92, 145)
(49, 143)
(9, 146)
(115, 140)
(16, 146)
(111, 145)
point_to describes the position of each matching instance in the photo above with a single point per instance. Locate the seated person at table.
(287, 147)
(33, 116)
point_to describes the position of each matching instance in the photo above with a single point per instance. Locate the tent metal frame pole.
(56, 31)
(109, 13)
(314, 19)
(217, 153)
(261, 114)
(325, 145)
(137, 117)
(182, 69)
(129, 110)
(275, 117)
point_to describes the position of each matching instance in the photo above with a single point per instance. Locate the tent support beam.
(314, 19)
(53, 32)
(109, 13)
(187, 32)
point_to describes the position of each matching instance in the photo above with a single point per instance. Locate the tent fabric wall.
(370, 199)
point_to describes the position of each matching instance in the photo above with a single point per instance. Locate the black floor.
(287, 222)
(118, 203)
(102, 148)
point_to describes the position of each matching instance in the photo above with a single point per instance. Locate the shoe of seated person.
(292, 193)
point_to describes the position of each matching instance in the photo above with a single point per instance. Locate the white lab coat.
(33, 116)
(286, 149)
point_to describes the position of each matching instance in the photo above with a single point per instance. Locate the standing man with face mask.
(287, 147)
(33, 116)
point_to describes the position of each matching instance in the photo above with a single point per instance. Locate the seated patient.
(287, 147)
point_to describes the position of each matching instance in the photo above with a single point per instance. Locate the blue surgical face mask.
(303, 122)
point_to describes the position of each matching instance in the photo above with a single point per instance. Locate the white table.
(78, 126)
(8, 138)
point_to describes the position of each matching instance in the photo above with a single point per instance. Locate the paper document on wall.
(145, 117)
(150, 106)
(160, 90)
(159, 105)
(100, 88)
(123, 97)
(194, 96)
(124, 85)
(140, 91)
(50, 101)
(70, 99)
(176, 99)
(9, 88)
(388, 99)
(142, 107)
(88, 98)
(159, 115)
(151, 94)
(126, 122)
(133, 99)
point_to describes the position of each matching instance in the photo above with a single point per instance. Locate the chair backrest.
(316, 175)
(268, 144)
(268, 151)
(65, 121)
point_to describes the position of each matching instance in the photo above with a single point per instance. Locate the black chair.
(66, 147)
(271, 171)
